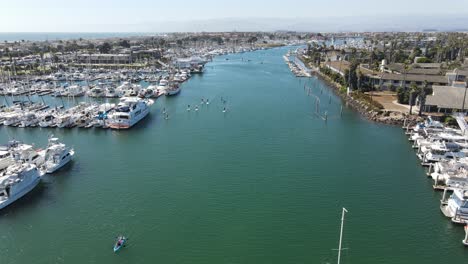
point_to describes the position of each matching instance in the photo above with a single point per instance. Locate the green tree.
(252, 40)
(359, 80)
(351, 77)
(422, 97)
(414, 90)
(55, 59)
(124, 43)
(406, 68)
(423, 60)
(105, 48)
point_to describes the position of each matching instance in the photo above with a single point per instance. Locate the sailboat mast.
(341, 234)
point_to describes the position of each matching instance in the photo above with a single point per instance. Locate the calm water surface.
(262, 183)
(43, 36)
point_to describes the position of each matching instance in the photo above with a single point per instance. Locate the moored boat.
(128, 112)
(57, 155)
(16, 181)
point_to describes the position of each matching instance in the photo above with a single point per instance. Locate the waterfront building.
(105, 58)
(447, 99)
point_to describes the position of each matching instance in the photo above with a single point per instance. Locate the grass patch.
(367, 100)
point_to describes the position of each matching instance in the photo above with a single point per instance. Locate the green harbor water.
(263, 183)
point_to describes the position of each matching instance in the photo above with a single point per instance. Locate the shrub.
(367, 100)
(450, 121)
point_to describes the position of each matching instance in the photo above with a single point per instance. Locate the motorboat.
(96, 92)
(456, 206)
(65, 120)
(29, 120)
(26, 153)
(173, 89)
(56, 155)
(128, 112)
(47, 120)
(16, 181)
(12, 119)
(5, 159)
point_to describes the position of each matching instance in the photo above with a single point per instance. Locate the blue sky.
(156, 15)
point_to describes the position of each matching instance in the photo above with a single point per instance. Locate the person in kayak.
(120, 241)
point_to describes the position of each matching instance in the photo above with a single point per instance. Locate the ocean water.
(43, 36)
(262, 183)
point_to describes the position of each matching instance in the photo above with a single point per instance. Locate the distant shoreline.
(43, 36)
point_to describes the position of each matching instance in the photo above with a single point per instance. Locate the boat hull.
(172, 92)
(128, 124)
(117, 248)
(23, 192)
(64, 162)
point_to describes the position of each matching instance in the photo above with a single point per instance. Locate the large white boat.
(111, 92)
(456, 207)
(428, 124)
(12, 119)
(29, 119)
(26, 153)
(47, 120)
(65, 120)
(56, 155)
(440, 151)
(96, 92)
(76, 90)
(128, 112)
(173, 89)
(16, 181)
(452, 174)
(5, 159)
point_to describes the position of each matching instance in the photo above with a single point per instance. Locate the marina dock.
(296, 66)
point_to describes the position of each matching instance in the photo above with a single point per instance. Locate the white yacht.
(163, 83)
(65, 120)
(26, 153)
(97, 92)
(128, 112)
(121, 89)
(16, 181)
(428, 124)
(150, 91)
(111, 92)
(451, 174)
(56, 155)
(29, 119)
(76, 90)
(47, 121)
(12, 119)
(440, 151)
(173, 89)
(5, 159)
(456, 207)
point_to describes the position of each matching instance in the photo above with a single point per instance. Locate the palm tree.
(342, 53)
(413, 90)
(406, 68)
(422, 97)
